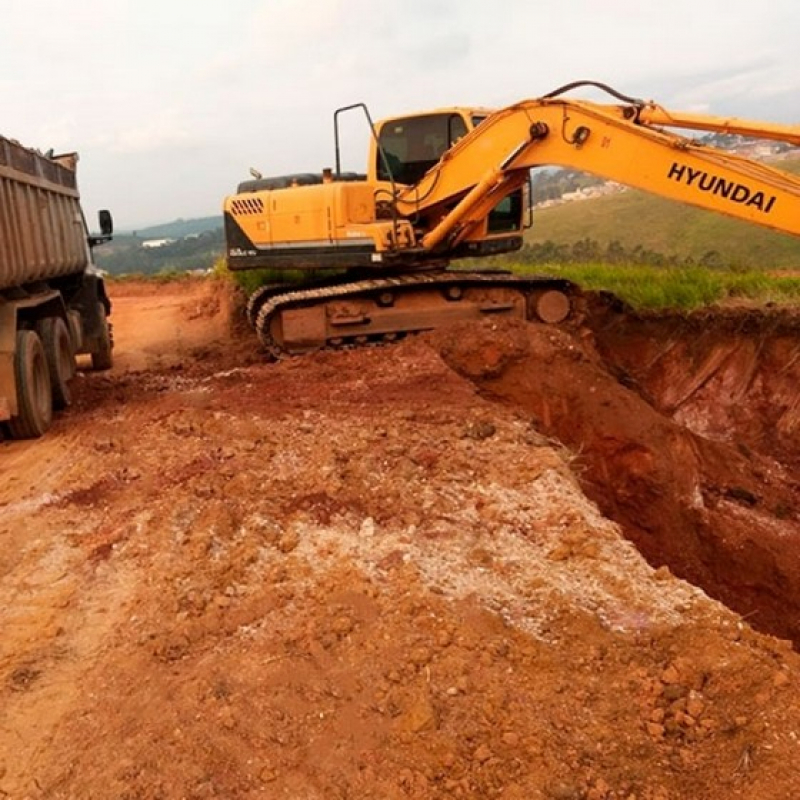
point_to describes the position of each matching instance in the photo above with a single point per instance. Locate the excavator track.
(371, 311)
(259, 297)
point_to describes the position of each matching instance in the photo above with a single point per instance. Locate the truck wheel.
(34, 395)
(60, 358)
(102, 355)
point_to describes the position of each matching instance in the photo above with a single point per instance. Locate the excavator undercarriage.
(376, 310)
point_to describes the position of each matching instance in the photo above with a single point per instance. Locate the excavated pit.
(685, 430)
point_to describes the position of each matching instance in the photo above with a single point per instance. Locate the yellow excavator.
(454, 183)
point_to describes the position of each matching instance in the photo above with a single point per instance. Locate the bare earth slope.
(687, 431)
(364, 575)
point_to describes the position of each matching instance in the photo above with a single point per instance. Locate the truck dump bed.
(42, 230)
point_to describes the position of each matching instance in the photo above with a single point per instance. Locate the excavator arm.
(631, 143)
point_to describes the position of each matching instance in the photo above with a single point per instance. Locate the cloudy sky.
(169, 102)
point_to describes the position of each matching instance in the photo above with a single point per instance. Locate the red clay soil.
(376, 574)
(686, 431)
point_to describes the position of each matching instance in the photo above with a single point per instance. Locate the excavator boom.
(622, 143)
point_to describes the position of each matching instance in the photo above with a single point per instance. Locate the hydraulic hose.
(568, 87)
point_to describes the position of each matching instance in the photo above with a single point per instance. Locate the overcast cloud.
(169, 102)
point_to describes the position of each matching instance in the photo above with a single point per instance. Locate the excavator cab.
(408, 147)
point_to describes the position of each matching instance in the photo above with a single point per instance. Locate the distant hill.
(632, 219)
(179, 228)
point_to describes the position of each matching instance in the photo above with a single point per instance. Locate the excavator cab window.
(506, 216)
(414, 144)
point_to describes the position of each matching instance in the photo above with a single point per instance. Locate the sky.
(170, 102)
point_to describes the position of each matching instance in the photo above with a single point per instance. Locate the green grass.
(251, 279)
(683, 288)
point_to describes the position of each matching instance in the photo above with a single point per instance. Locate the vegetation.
(180, 228)
(252, 279)
(655, 253)
(126, 254)
(684, 287)
(163, 277)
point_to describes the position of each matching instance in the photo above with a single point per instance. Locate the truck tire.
(102, 357)
(34, 394)
(60, 356)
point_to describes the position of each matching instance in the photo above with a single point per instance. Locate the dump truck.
(53, 302)
(453, 184)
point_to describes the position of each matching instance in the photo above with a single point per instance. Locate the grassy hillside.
(635, 218)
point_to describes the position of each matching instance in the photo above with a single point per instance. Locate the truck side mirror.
(106, 222)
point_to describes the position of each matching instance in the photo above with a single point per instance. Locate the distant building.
(151, 244)
(586, 193)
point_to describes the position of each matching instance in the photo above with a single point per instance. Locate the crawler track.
(384, 309)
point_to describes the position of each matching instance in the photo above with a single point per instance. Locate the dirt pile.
(357, 575)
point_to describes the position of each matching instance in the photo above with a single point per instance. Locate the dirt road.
(377, 573)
